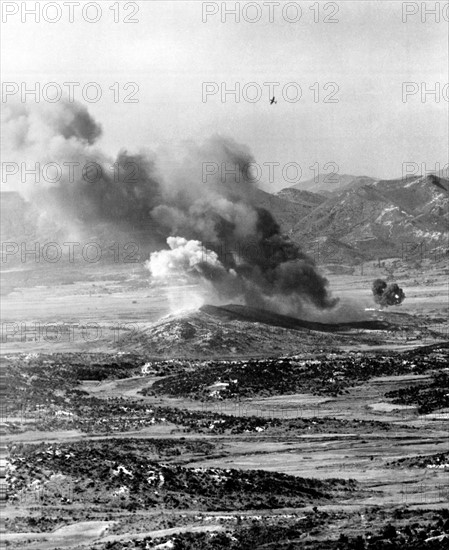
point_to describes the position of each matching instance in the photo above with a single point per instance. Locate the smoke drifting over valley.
(215, 231)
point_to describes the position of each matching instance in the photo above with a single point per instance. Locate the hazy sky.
(170, 52)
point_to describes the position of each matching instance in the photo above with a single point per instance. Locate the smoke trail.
(387, 294)
(215, 230)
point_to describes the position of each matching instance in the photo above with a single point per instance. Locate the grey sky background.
(369, 53)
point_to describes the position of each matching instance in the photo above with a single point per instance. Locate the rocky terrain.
(380, 219)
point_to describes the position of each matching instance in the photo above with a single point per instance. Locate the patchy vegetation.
(428, 397)
(329, 375)
(142, 486)
(67, 407)
(301, 534)
(439, 460)
(125, 474)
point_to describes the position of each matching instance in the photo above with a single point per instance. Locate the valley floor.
(102, 456)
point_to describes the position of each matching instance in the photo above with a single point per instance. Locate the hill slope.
(236, 330)
(380, 219)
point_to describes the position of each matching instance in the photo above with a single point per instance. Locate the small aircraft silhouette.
(272, 100)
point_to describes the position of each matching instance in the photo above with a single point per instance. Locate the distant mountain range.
(326, 184)
(360, 219)
(368, 219)
(331, 183)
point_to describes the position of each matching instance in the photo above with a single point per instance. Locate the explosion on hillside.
(215, 231)
(387, 294)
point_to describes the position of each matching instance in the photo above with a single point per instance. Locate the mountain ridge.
(367, 219)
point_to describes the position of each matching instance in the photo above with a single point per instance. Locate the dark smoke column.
(165, 198)
(387, 295)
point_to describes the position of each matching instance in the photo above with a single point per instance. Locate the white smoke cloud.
(184, 258)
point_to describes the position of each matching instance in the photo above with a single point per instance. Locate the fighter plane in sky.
(272, 100)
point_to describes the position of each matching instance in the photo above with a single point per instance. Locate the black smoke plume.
(215, 229)
(387, 294)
